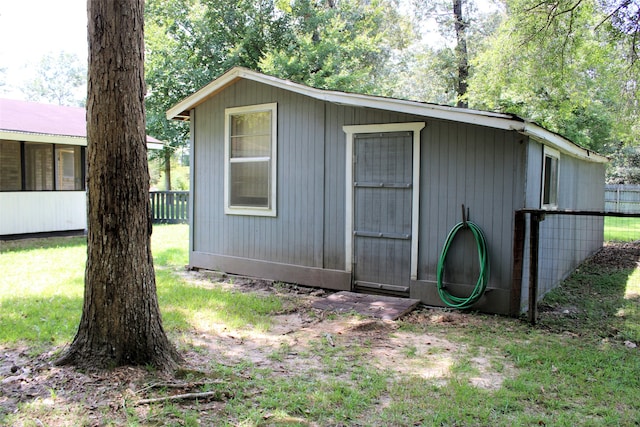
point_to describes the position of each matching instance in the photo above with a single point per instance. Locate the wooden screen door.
(382, 211)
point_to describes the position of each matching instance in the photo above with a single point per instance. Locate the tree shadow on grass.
(599, 298)
(186, 305)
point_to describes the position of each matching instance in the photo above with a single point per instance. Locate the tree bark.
(167, 169)
(461, 54)
(121, 322)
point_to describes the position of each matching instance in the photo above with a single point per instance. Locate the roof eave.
(481, 118)
(14, 135)
(181, 111)
(564, 145)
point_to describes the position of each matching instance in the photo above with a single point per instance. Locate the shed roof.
(463, 115)
(47, 122)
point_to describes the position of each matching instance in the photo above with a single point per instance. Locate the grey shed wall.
(485, 169)
(565, 240)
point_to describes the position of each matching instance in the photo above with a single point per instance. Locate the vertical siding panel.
(318, 189)
(334, 234)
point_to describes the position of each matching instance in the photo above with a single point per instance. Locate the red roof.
(33, 117)
(45, 119)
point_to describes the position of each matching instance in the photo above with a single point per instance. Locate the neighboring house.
(354, 192)
(43, 168)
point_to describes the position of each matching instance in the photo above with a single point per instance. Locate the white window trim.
(549, 152)
(350, 131)
(248, 210)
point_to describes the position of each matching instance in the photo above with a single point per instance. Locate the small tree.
(121, 323)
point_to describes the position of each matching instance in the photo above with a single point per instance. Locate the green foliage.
(343, 46)
(179, 175)
(190, 42)
(59, 79)
(550, 63)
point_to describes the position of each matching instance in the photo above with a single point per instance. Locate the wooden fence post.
(534, 240)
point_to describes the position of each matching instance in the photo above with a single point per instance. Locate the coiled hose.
(483, 276)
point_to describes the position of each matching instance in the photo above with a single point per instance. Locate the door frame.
(351, 131)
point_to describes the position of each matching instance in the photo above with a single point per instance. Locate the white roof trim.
(565, 146)
(42, 137)
(462, 115)
(499, 120)
(58, 139)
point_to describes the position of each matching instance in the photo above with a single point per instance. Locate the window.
(38, 166)
(250, 160)
(69, 167)
(30, 166)
(550, 171)
(10, 166)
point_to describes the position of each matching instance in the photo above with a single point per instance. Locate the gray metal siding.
(295, 236)
(482, 169)
(490, 171)
(565, 241)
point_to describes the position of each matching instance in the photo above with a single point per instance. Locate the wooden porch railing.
(170, 207)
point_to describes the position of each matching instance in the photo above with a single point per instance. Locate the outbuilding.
(43, 168)
(354, 192)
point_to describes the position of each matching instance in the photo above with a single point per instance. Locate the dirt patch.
(294, 345)
(618, 255)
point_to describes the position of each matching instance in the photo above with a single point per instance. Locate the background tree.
(347, 45)
(557, 66)
(59, 79)
(344, 45)
(453, 32)
(189, 43)
(121, 323)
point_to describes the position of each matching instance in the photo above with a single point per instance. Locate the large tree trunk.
(121, 323)
(461, 54)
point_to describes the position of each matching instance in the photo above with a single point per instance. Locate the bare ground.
(62, 396)
(36, 393)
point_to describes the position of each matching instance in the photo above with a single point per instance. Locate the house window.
(69, 168)
(250, 160)
(38, 166)
(30, 166)
(550, 169)
(10, 166)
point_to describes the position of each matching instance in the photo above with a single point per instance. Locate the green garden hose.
(483, 276)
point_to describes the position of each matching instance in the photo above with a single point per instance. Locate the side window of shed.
(250, 160)
(550, 172)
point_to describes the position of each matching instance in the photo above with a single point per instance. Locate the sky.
(31, 29)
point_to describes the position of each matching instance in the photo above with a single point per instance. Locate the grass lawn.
(621, 229)
(271, 360)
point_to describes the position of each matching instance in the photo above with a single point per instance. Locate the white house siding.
(42, 211)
